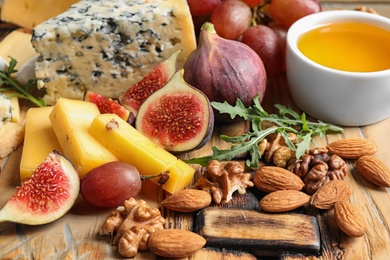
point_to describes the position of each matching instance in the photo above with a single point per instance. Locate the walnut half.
(222, 183)
(317, 168)
(131, 226)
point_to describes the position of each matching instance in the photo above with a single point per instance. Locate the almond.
(283, 200)
(175, 243)
(349, 219)
(273, 178)
(373, 170)
(352, 148)
(327, 195)
(188, 200)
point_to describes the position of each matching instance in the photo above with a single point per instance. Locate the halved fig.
(177, 117)
(47, 195)
(107, 105)
(156, 79)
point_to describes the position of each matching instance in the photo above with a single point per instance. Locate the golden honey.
(348, 46)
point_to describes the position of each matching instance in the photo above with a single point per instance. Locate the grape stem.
(163, 177)
(259, 16)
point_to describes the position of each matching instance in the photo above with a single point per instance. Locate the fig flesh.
(225, 70)
(134, 96)
(107, 105)
(177, 117)
(47, 195)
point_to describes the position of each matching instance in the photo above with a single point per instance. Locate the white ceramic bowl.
(335, 96)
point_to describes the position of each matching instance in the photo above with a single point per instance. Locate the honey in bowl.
(348, 46)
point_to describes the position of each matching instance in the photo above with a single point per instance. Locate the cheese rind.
(70, 120)
(107, 46)
(29, 13)
(39, 140)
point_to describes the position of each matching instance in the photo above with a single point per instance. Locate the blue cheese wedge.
(108, 45)
(5, 110)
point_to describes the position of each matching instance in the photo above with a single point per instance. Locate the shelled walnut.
(131, 226)
(318, 167)
(274, 149)
(223, 182)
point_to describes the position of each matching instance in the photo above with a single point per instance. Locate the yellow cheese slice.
(70, 120)
(17, 44)
(29, 13)
(132, 147)
(39, 140)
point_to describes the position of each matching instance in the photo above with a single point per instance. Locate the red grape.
(110, 184)
(287, 12)
(231, 18)
(253, 3)
(265, 43)
(202, 7)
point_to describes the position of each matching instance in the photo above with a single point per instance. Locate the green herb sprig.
(9, 83)
(285, 122)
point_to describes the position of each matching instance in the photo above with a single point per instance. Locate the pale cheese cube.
(39, 140)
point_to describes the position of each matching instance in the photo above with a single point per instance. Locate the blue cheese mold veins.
(107, 46)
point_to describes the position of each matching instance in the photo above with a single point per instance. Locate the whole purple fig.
(225, 70)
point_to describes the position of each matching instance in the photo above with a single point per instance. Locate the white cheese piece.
(5, 109)
(106, 45)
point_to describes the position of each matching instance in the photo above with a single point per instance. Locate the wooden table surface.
(75, 236)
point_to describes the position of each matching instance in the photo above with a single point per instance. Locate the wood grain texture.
(259, 233)
(75, 236)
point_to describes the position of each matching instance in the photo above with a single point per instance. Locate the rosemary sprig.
(285, 122)
(9, 83)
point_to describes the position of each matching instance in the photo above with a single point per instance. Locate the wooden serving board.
(75, 236)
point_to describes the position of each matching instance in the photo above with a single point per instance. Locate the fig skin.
(225, 70)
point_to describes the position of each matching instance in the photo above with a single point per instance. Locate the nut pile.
(322, 171)
(315, 180)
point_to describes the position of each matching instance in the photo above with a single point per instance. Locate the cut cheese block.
(106, 46)
(29, 13)
(70, 120)
(12, 135)
(259, 233)
(15, 107)
(39, 140)
(17, 44)
(132, 147)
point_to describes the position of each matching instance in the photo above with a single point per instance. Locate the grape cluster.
(261, 24)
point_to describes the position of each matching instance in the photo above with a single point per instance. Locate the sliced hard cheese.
(12, 135)
(107, 46)
(39, 140)
(29, 13)
(17, 45)
(70, 120)
(259, 233)
(132, 147)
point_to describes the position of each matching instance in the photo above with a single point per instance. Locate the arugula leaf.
(285, 122)
(22, 90)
